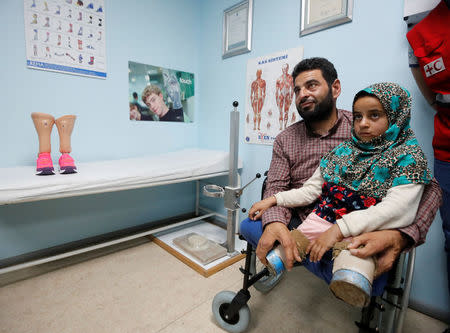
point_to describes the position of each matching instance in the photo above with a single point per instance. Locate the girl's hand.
(260, 207)
(323, 243)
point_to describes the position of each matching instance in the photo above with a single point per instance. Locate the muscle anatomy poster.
(270, 106)
(66, 36)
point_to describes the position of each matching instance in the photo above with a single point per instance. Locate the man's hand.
(260, 207)
(323, 243)
(277, 231)
(385, 244)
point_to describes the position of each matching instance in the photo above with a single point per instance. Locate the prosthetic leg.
(65, 127)
(275, 257)
(44, 123)
(352, 276)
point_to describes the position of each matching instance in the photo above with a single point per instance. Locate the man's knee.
(251, 230)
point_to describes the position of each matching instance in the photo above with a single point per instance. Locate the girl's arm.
(303, 196)
(396, 210)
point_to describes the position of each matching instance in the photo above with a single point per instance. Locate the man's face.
(313, 98)
(155, 103)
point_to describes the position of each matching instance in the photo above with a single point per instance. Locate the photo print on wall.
(160, 94)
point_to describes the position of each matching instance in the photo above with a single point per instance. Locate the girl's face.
(369, 118)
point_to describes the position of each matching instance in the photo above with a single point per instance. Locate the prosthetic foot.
(352, 279)
(44, 165)
(65, 127)
(44, 123)
(66, 164)
(276, 258)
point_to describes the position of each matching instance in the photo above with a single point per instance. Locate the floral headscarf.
(391, 159)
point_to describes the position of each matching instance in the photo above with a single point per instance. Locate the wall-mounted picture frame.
(237, 29)
(318, 15)
(160, 94)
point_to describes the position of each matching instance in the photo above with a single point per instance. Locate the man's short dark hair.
(135, 95)
(327, 68)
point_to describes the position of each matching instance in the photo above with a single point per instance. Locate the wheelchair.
(384, 313)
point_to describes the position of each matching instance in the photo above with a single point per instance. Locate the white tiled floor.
(144, 289)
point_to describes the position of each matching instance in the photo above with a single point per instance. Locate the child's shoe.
(66, 164)
(44, 165)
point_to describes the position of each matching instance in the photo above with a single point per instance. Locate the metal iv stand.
(232, 192)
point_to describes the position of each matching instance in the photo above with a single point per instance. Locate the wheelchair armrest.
(264, 184)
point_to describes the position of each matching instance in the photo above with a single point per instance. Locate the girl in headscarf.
(372, 181)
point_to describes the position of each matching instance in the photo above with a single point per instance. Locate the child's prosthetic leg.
(275, 257)
(65, 127)
(44, 123)
(352, 278)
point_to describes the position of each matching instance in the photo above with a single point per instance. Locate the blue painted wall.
(186, 35)
(370, 49)
(159, 32)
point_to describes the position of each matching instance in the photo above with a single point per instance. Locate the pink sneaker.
(67, 164)
(44, 165)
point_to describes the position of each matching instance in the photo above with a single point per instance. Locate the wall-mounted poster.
(160, 94)
(270, 106)
(66, 36)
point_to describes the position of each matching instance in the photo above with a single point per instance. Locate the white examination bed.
(20, 184)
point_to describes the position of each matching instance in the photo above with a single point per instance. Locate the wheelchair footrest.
(367, 328)
(244, 271)
(395, 291)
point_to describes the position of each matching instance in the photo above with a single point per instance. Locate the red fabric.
(441, 139)
(430, 40)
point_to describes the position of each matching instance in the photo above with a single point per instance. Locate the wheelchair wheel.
(239, 322)
(266, 283)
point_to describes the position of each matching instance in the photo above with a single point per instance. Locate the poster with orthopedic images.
(160, 94)
(66, 36)
(269, 103)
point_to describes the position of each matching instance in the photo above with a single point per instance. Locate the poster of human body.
(66, 36)
(270, 106)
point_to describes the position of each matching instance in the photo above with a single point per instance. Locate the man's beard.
(321, 111)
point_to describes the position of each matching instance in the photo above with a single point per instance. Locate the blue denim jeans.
(442, 174)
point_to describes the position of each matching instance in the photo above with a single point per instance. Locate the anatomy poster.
(269, 105)
(66, 36)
